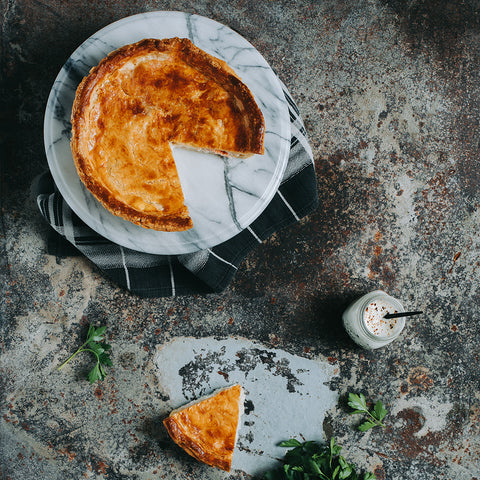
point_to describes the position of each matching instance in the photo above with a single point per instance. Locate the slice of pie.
(141, 99)
(207, 428)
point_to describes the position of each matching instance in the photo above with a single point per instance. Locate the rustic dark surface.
(389, 91)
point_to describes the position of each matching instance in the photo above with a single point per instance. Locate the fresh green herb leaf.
(105, 359)
(97, 335)
(95, 345)
(359, 405)
(380, 410)
(312, 465)
(367, 425)
(94, 374)
(297, 469)
(291, 443)
(357, 402)
(313, 461)
(335, 472)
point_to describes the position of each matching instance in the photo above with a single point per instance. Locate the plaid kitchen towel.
(201, 272)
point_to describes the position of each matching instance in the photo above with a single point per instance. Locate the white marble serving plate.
(223, 195)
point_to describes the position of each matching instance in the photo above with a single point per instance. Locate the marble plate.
(224, 195)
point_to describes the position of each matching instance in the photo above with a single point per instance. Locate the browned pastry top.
(140, 99)
(207, 429)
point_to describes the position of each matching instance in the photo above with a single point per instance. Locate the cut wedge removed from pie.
(207, 428)
(135, 104)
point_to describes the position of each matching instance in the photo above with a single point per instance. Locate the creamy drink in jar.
(365, 323)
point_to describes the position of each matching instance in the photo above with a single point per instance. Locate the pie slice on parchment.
(207, 428)
(138, 101)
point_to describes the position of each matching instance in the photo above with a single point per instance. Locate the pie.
(140, 100)
(207, 429)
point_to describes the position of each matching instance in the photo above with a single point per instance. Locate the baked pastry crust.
(207, 429)
(135, 103)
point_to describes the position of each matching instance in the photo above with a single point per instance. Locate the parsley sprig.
(313, 461)
(95, 345)
(375, 416)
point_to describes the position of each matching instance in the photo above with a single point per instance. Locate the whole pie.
(207, 429)
(135, 104)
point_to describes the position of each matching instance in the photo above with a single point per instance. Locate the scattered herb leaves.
(313, 461)
(375, 416)
(95, 345)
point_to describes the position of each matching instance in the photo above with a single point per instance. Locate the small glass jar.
(363, 320)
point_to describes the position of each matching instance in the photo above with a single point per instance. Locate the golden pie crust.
(138, 101)
(207, 429)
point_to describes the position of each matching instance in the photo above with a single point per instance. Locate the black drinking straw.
(401, 314)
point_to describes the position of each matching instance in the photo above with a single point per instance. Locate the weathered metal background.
(389, 91)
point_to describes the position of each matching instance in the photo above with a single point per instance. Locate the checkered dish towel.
(201, 272)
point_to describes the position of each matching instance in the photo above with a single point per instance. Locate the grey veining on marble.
(223, 195)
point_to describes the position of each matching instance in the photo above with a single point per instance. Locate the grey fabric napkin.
(201, 272)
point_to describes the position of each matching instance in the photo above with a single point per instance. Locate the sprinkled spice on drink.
(374, 320)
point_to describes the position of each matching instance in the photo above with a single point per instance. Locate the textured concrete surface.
(389, 91)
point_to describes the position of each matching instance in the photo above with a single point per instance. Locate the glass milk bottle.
(363, 320)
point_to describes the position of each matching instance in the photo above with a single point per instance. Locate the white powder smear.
(286, 396)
